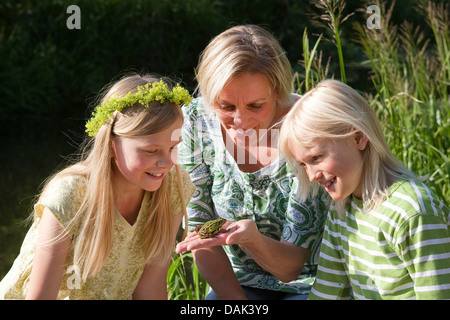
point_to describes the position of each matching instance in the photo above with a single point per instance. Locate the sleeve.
(200, 208)
(424, 247)
(305, 220)
(63, 197)
(332, 282)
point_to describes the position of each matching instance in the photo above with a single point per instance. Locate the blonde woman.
(230, 149)
(387, 235)
(105, 227)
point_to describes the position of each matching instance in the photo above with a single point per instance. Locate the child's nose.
(164, 161)
(314, 175)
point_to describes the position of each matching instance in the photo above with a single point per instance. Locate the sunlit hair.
(243, 49)
(333, 110)
(96, 214)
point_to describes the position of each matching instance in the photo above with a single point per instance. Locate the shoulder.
(424, 217)
(63, 197)
(412, 207)
(414, 197)
(195, 109)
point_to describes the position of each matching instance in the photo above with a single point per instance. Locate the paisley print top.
(266, 196)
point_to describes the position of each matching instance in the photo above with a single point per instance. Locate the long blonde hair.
(242, 49)
(94, 239)
(330, 111)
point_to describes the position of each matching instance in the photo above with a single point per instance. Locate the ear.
(361, 140)
(113, 148)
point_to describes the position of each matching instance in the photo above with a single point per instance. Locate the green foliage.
(411, 78)
(410, 74)
(184, 281)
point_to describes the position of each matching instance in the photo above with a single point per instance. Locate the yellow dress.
(123, 268)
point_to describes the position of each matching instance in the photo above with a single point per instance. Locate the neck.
(127, 197)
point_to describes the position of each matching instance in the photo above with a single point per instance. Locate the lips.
(155, 175)
(329, 183)
(241, 134)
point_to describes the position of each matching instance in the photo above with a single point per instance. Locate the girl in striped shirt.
(387, 235)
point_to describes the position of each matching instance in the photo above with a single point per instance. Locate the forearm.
(153, 283)
(216, 269)
(49, 261)
(282, 259)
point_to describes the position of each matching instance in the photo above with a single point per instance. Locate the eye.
(315, 158)
(255, 106)
(227, 107)
(301, 164)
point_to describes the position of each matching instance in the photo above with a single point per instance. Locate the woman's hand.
(240, 232)
(283, 259)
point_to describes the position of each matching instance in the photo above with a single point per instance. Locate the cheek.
(130, 163)
(266, 116)
(223, 117)
(143, 162)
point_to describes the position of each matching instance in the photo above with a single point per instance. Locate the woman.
(229, 147)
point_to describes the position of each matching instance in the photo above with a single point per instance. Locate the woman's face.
(143, 162)
(246, 105)
(335, 164)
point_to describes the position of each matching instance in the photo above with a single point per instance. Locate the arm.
(153, 282)
(215, 267)
(332, 282)
(50, 258)
(213, 263)
(282, 259)
(425, 249)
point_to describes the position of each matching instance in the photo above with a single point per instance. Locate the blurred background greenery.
(50, 75)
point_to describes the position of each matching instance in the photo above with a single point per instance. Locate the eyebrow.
(151, 145)
(222, 101)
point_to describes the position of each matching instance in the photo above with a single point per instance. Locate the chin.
(152, 188)
(337, 197)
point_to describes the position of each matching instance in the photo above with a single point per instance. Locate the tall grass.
(332, 12)
(410, 75)
(184, 281)
(411, 78)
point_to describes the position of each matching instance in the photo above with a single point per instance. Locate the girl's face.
(142, 162)
(246, 105)
(335, 164)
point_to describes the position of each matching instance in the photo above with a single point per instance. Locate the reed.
(184, 281)
(411, 78)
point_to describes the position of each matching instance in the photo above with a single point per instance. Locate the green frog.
(211, 228)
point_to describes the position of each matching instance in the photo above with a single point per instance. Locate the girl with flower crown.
(105, 227)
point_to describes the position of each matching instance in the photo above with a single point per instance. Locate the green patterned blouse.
(266, 196)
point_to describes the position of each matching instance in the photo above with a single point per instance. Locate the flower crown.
(156, 91)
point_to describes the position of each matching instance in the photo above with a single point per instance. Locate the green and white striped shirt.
(399, 251)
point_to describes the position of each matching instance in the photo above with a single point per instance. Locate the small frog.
(211, 228)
